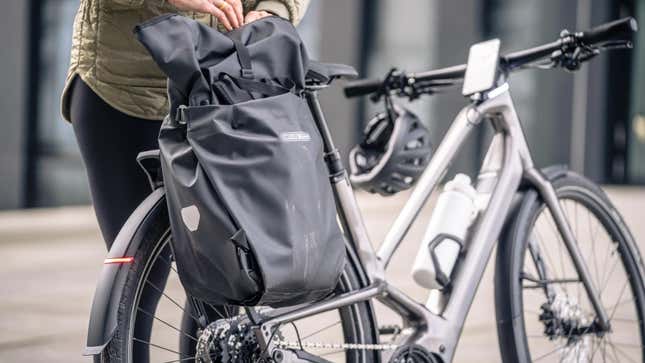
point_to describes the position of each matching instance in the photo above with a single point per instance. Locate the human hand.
(228, 12)
(255, 15)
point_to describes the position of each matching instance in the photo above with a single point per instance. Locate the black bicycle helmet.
(393, 153)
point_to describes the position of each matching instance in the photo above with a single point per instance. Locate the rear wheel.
(543, 312)
(157, 321)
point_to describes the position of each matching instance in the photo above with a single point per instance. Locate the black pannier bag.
(251, 209)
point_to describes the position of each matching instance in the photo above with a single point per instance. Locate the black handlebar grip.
(362, 87)
(618, 30)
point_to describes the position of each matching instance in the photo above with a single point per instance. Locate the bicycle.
(582, 314)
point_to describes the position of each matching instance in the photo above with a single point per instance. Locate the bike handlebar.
(616, 31)
(362, 87)
(619, 30)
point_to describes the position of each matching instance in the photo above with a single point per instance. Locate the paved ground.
(50, 259)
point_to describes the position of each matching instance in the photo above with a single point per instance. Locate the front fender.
(107, 296)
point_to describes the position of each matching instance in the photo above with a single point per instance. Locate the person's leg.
(109, 142)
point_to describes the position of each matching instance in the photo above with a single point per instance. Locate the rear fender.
(107, 296)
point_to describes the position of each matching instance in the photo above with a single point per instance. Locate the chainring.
(412, 353)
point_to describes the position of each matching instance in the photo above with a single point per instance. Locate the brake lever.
(588, 55)
(395, 81)
(617, 45)
(572, 60)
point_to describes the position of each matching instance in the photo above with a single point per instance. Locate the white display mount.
(481, 71)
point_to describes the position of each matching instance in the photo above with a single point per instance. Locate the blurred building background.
(593, 120)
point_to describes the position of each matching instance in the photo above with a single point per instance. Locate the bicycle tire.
(357, 319)
(512, 252)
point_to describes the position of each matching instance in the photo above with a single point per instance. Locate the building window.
(59, 177)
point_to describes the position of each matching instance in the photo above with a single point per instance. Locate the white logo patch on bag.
(190, 216)
(295, 136)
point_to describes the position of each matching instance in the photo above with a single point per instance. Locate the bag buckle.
(247, 73)
(180, 115)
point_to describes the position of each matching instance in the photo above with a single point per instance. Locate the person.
(115, 95)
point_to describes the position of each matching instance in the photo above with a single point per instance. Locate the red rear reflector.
(118, 260)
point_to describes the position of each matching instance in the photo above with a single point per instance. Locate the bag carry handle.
(244, 57)
(260, 87)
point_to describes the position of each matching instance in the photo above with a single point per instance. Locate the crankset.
(412, 353)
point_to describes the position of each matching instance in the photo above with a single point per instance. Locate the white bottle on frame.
(446, 233)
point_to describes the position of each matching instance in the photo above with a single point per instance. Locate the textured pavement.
(50, 260)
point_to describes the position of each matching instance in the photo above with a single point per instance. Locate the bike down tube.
(504, 162)
(467, 118)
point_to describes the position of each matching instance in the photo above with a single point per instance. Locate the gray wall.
(457, 25)
(13, 40)
(564, 115)
(339, 37)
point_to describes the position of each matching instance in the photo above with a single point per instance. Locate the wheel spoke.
(181, 360)
(166, 323)
(218, 312)
(606, 278)
(169, 263)
(626, 320)
(331, 353)
(558, 239)
(155, 317)
(617, 349)
(550, 266)
(621, 303)
(594, 257)
(549, 353)
(595, 348)
(577, 235)
(631, 345)
(603, 252)
(186, 359)
(157, 346)
(171, 300)
(321, 330)
(622, 291)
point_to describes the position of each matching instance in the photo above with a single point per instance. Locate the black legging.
(109, 141)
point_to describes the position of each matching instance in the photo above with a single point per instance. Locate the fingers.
(251, 16)
(206, 7)
(228, 12)
(255, 15)
(239, 11)
(225, 13)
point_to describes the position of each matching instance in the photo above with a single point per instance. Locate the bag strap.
(244, 57)
(260, 87)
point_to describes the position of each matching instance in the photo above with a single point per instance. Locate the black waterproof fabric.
(251, 208)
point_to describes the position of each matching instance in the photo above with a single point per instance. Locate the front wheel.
(543, 312)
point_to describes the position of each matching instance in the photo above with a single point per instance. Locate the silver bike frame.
(507, 163)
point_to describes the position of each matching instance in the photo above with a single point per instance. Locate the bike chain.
(335, 346)
(344, 346)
